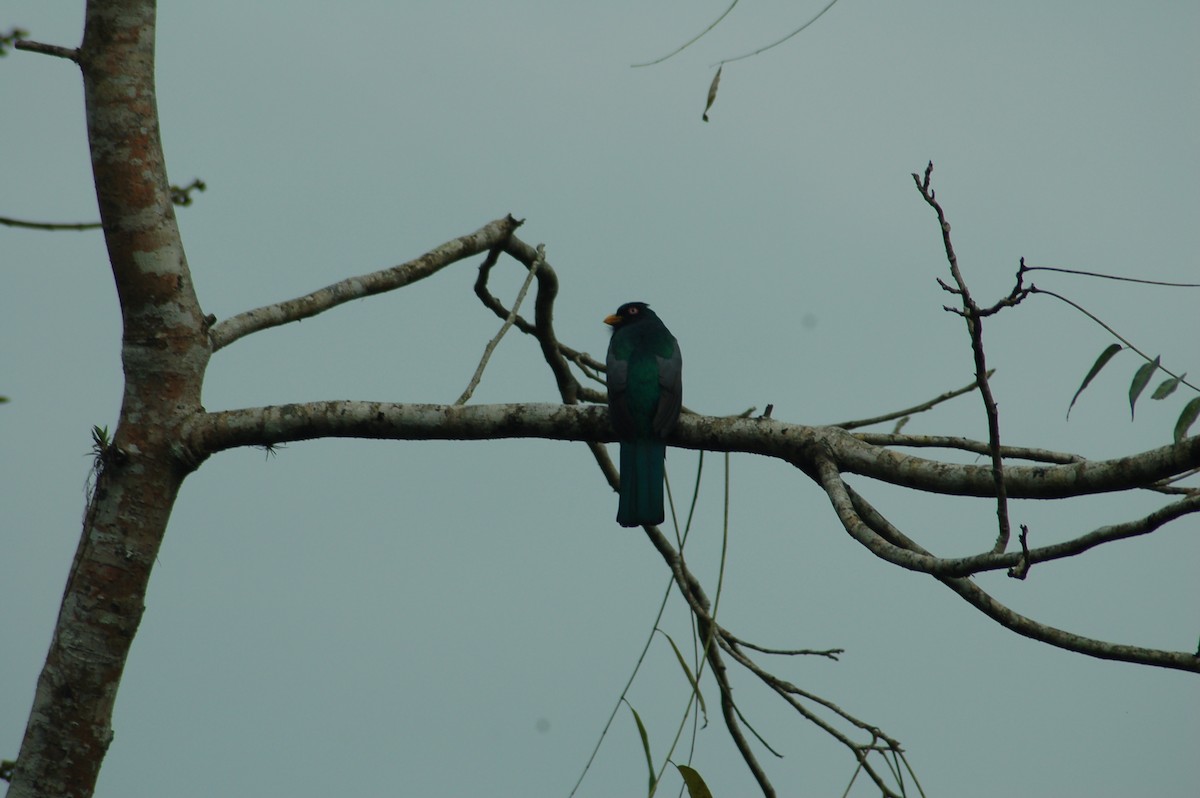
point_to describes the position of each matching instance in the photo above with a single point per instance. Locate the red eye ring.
(633, 311)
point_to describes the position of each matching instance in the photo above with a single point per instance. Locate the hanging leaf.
(695, 785)
(1141, 378)
(1188, 417)
(712, 92)
(645, 743)
(1105, 356)
(687, 672)
(1167, 387)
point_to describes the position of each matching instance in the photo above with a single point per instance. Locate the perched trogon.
(645, 392)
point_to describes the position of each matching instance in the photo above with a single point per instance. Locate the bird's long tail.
(641, 483)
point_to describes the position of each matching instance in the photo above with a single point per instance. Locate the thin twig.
(508, 322)
(830, 653)
(937, 400)
(780, 41)
(792, 695)
(974, 318)
(1110, 276)
(967, 445)
(690, 41)
(1021, 569)
(10, 222)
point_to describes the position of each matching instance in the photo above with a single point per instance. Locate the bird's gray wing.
(618, 408)
(670, 384)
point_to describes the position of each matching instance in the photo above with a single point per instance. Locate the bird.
(645, 392)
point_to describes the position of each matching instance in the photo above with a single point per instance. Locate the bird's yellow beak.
(614, 320)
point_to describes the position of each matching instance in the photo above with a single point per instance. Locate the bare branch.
(487, 237)
(180, 195)
(921, 408)
(1110, 276)
(841, 497)
(589, 365)
(1022, 625)
(543, 308)
(8, 221)
(792, 694)
(974, 318)
(1021, 569)
(212, 432)
(967, 445)
(69, 53)
(1074, 478)
(730, 715)
(508, 322)
(829, 653)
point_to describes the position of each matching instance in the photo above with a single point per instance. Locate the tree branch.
(839, 494)
(208, 433)
(921, 408)
(1022, 625)
(792, 695)
(69, 53)
(487, 237)
(8, 221)
(973, 315)
(508, 322)
(967, 445)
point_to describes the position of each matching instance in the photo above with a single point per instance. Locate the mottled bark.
(165, 349)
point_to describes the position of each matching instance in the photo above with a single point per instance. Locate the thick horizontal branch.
(487, 237)
(1022, 481)
(264, 426)
(797, 444)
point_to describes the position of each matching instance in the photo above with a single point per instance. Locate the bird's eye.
(633, 311)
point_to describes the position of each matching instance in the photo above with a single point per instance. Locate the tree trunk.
(164, 352)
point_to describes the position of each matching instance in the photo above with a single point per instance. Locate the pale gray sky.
(366, 618)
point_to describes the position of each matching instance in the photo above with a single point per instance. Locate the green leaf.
(696, 786)
(1141, 378)
(1167, 387)
(645, 743)
(1101, 361)
(687, 672)
(100, 440)
(1188, 417)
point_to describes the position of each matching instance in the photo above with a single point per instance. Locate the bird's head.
(629, 313)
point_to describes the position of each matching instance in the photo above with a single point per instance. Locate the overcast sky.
(447, 619)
